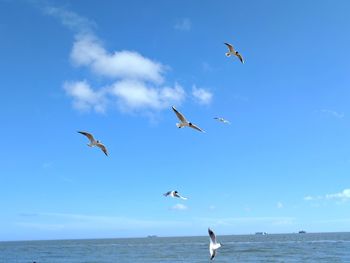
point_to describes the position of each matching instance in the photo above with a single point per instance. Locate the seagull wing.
(167, 193)
(230, 47)
(103, 148)
(223, 120)
(212, 236)
(179, 115)
(240, 57)
(196, 127)
(212, 253)
(88, 135)
(181, 197)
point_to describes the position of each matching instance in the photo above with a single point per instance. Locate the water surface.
(322, 247)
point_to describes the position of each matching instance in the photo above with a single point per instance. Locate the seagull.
(94, 142)
(184, 122)
(213, 246)
(222, 120)
(174, 194)
(232, 51)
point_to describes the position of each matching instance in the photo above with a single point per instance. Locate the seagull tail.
(228, 54)
(178, 125)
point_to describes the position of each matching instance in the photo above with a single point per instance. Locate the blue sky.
(116, 69)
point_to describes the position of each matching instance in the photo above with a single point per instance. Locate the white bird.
(213, 246)
(184, 122)
(232, 51)
(222, 120)
(174, 194)
(94, 142)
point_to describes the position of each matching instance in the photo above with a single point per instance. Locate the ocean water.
(322, 247)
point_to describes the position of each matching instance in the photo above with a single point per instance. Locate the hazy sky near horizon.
(116, 68)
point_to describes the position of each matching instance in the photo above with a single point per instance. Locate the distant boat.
(261, 233)
(302, 232)
(152, 236)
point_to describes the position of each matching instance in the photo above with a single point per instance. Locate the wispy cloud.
(334, 221)
(343, 195)
(136, 80)
(57, 221)
(240, 98)
(340, 196)
(212, 207)
(40, 226)
(279, 205)
(84, 97)
(179, 207)
(332, 113)
(88, 223)
(201, 95)
(28, 214)
(234, 221)
(183, 24)
(46, 165)
(247, 209)
(311, 198)
(69, 19)
(206, 67)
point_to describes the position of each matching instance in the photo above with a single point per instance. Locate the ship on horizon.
(261, 233)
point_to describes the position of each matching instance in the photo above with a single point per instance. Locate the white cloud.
(279, 205)
(309, 198)
(333, 113)
(343, 195)
(183, 24)
(88, 51)
(136, 81)
(202, 96)
(179, 207)
(84, 97)
(135, 95)
(130, 95)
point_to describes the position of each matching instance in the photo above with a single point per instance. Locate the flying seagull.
(184, 122)
(222, 120)
(94, 142)
(213, 246)
(174, 194)
(232, 51)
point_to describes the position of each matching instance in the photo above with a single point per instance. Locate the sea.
(309, 247)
